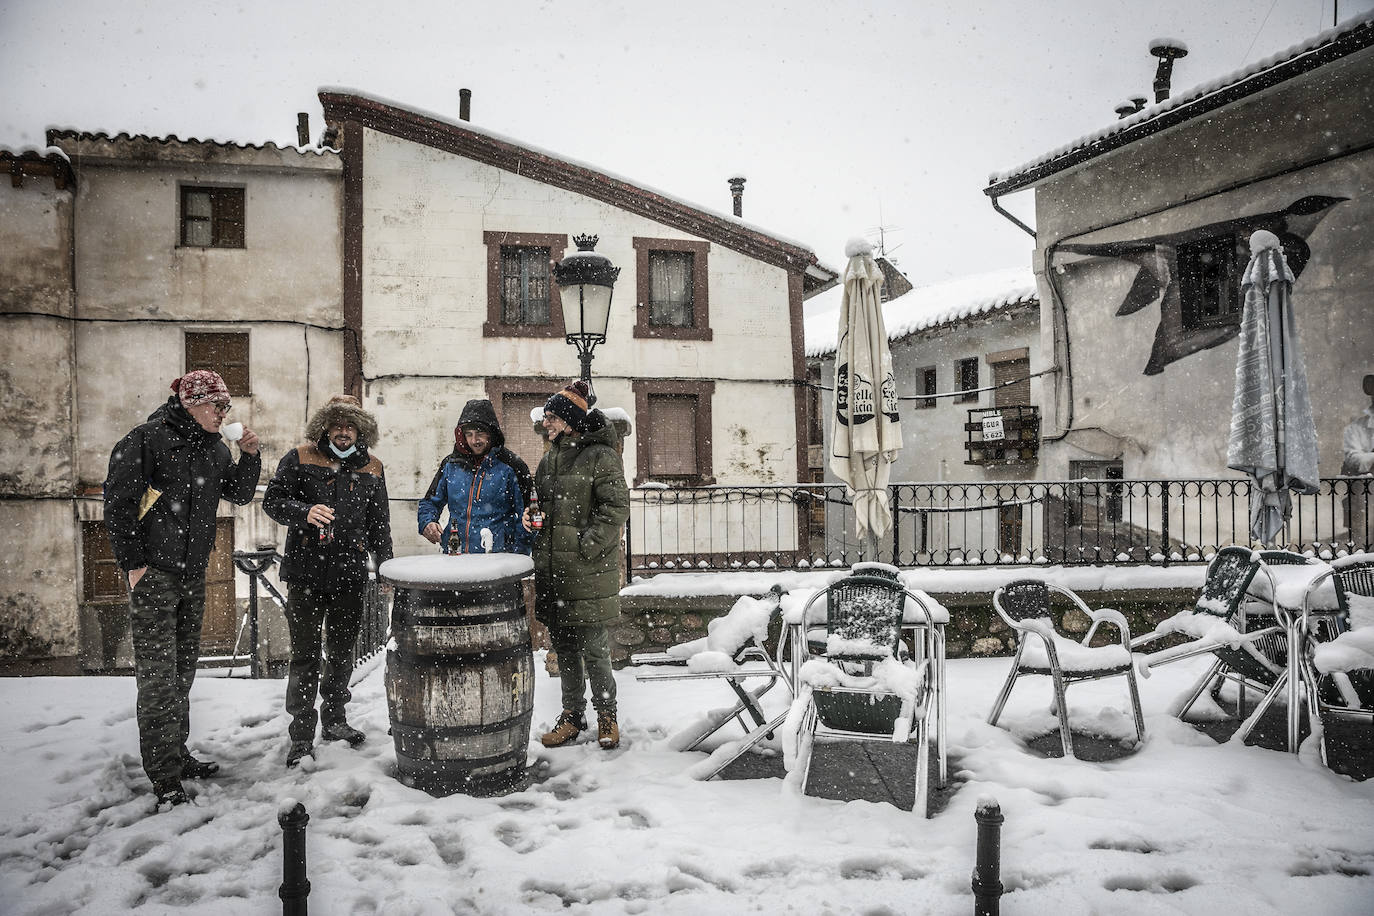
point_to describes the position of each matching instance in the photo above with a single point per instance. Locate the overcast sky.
(843, 116)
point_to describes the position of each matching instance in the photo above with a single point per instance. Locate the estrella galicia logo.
(842, 393)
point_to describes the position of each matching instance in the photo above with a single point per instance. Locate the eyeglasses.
(222, 407)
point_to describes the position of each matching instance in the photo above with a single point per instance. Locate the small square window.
(222, 352)
(925, 384)
(525, 285)
(211, 217)
(966, 371)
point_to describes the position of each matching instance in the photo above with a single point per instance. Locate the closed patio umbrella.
(1273, 436)
(866, 431)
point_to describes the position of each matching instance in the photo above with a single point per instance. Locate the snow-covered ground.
(1181, 826)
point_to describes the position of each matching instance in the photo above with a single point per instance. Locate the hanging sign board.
(992, 427)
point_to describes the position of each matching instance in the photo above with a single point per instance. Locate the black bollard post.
(295, 886)
(987, 880)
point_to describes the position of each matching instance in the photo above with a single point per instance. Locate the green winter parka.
(577, 556)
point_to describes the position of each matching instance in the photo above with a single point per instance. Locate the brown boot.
(607, 731)
(568, 726)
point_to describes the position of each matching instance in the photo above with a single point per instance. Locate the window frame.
(703, 391)
(971, 397)
(230, 378)
(216, 221)
(495, 325)
(927, 383)
(701, 298)
(1195, 291)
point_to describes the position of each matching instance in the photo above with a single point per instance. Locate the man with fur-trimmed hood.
(330, 492)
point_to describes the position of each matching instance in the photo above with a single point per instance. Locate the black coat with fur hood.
(354, 487)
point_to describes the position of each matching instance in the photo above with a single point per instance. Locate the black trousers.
(165, 615)
(340, 612)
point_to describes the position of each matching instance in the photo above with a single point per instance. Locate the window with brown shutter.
(519, 430)
(225, 352)
(1013, 380)
(672, 437)
(211, 217)
(673, 428)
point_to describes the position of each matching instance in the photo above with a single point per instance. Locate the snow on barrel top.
(456, 571)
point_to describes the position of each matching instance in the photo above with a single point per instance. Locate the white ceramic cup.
(232, 431)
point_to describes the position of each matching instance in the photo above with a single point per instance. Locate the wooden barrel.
(459, 672)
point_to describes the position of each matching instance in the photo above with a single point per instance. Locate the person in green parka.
(577, 557)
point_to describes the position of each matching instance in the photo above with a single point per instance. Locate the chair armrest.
(658, 658)
(1113, 617)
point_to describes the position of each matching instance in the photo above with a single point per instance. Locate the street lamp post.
(585, 282)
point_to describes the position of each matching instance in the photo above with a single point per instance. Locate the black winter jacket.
(192, 470)
(355, 488)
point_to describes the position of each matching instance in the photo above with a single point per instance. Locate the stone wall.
(653, 623)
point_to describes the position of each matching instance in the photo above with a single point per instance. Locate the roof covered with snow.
(172, 140)
(33, 162)
(1353, 35)
(937, 305)
(473, 142)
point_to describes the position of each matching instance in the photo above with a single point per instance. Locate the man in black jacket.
(331, 493)
(162, 495)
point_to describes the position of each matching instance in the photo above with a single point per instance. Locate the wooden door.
(221, 608)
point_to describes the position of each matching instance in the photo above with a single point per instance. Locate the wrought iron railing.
(802, 526)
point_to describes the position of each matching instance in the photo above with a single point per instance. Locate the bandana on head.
(200, 386)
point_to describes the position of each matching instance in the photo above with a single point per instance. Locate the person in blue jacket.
(481, 491)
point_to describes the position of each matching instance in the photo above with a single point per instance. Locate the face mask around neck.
(342, 454)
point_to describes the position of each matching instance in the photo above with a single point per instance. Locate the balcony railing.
(1002, 434)
(804, 526)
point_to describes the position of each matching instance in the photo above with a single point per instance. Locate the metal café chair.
(1024, 605)
(861, 685)
(1338, 698)
(1216, 625)
(750, 660)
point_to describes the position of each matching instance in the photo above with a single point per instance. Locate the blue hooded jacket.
(479, 493)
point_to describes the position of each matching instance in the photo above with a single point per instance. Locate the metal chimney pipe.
(302, 129)
(737, 194)
(465, 104)
(1167, 50)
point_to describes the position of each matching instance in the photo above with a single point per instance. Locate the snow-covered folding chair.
(735, 650)
(1338, 666)
(864, 687)
(1223, 623)
(1025, 606)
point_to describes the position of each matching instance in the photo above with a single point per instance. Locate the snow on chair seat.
(1025, 606)
(864, 687)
